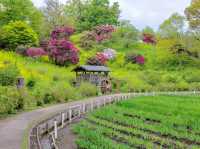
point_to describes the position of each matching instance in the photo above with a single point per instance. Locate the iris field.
(142, 122)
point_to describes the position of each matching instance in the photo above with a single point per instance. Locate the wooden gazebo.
(97, 75)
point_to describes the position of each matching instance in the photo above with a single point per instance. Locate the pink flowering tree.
(61, 50)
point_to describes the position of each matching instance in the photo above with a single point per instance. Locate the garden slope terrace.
(12, 129)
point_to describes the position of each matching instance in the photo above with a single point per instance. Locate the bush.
(134, 58)
(21, 49)
(100, 59)
(61, 50)
(17, 33)
(10, 100)
(149, 38)
(99, 34)
(87, 90)
(192, 76)
(35, 52)
(8, 75)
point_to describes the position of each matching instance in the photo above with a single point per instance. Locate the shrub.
(97, 35)
(62, 32)
(17, 33)
(35, 52)
(134, 58)
(8, 75)
(103, 32)
(110, 53)
(62, 51)
(100, 59)
(192, 76)
(87, 90)
(21, 49)
(149, 38)
(10, 100)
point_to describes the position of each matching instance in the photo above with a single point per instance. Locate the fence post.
(70, 115)
(84, 109)
(63, 119)
(55, 130)
(79, 111)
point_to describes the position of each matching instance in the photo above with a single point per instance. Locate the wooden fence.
(58, 121)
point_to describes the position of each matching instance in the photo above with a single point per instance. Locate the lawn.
(142, 122)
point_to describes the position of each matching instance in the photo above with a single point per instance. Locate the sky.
(143, 13)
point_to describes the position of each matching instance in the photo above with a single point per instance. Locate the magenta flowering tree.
(35, 52)
(61, 50)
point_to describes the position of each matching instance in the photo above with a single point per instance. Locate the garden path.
(12, 129)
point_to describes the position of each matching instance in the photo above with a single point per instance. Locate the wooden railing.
(58, 121)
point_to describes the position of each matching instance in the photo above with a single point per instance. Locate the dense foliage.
(17, 33)
(8, 75)
(192, 13)
(91, 13)
(23, 10)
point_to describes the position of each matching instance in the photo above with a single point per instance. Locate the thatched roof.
(90, 68)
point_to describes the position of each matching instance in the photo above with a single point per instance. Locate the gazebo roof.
(90, 68)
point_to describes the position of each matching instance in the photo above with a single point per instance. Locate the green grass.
(143, 122)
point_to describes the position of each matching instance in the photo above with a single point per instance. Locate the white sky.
(143, 13)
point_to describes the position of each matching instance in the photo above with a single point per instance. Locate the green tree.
(126, 33)
(193, 16)
(91, 13)
(148, 30)
(173, 26)
(23, 10)
(54, 16)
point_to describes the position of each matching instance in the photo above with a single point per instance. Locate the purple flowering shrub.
(35, 52)
(97, 35)
(61, 50)
(135, 58)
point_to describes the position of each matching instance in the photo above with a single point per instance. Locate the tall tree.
(91, 13)
(193, 14)
(24, 10)
(54, 16)
(172, 27)
(148, 30)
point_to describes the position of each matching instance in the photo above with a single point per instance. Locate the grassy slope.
(150, 122)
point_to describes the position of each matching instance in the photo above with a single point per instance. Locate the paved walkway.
(12, 129)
